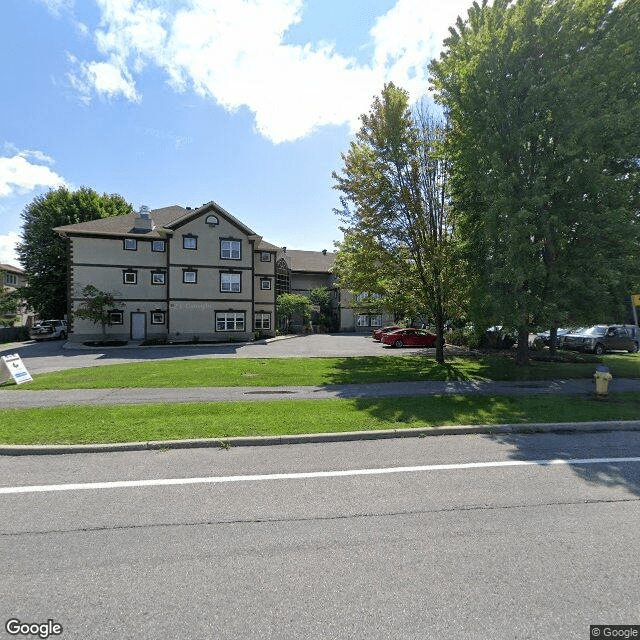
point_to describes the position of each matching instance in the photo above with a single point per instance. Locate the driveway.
(42, 357)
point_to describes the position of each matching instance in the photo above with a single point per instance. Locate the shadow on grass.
(430, 411)
(369, 369)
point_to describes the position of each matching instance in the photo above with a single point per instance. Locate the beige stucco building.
(182, 274)
(177, 274)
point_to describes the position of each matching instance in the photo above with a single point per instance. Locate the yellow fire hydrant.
(602, 378)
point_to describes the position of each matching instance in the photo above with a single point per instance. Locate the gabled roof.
(125, 225)
(12, 269)
(309, 261)
(267, 246)
(165, 220)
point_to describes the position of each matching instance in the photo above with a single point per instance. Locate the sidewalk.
(29, 399)
(22, 399)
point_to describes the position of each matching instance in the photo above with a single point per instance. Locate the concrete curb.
(73, 346)
(350, 436)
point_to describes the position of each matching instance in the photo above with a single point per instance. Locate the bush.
(465, 337)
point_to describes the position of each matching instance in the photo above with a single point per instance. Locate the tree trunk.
(439, 322)
(553, 338)
(522, 356)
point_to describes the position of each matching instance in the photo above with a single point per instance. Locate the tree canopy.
(97, 305)
(543, 98)
(291, 305)
(43, 252)
(399, 236)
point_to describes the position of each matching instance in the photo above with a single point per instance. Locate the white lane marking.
(160, 482)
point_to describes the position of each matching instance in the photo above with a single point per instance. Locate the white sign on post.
(15, 368)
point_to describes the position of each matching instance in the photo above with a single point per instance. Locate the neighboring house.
(177, 273)
(302, 271)
(13, 278)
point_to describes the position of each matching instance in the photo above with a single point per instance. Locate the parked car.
(49, 330)
(498, 337)
(545, 336)
(377, 333)
(409, 337)
(601, 338)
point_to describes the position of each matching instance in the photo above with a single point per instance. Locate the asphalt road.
(489, 550)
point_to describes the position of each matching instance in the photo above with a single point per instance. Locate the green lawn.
(320, 371)
(76, 425)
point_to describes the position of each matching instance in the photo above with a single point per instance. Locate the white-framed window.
(10, 278)
(129, 276)
(265, 284)
(157, 317)
(265, 256)
(116, 317)
(157, 277)
(375, 321)
(362, 320)
(230, 321)
(190, 276)
(190, 242)
(158, 245)
(262, 321)
(130, 244)
(230, 249)
(362, 296)
(230, 282)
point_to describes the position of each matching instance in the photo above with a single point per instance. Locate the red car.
(378, 333)
(410, 338)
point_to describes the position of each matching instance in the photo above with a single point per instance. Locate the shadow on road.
(567, 446)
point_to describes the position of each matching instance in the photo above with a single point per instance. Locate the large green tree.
(543, 97)
(43, 252)
(396, 210)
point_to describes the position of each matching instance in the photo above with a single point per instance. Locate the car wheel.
(634, 348)
(398, 343)
(63, 335)
(599, 349)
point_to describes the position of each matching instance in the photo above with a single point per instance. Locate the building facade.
(12, 278)
(302, 271)
(186, 275)
(177, 274)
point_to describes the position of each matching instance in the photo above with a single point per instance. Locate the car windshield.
(596, 331)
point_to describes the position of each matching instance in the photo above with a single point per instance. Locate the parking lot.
(54, 355)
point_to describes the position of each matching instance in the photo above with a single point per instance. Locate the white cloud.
(19, 175)
(56, 7)
(109, 79)
(235, 54)
(8, 253)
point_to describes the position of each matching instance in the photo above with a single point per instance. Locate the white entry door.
(138, 326)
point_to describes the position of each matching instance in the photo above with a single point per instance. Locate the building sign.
(13, 367)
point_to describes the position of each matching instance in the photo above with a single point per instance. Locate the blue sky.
(245, 102)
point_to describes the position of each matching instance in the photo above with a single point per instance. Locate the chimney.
(284, 249)
(143, 222)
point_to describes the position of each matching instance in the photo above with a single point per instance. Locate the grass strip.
(254, 372)
(132, 423)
